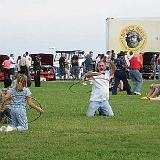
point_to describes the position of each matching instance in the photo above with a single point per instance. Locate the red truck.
(48, 72)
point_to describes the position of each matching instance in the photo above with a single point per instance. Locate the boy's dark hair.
(7, 83)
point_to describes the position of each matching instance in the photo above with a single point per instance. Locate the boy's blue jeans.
(102, 106)
(19, 119)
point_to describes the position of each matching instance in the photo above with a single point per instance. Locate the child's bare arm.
(33, 105)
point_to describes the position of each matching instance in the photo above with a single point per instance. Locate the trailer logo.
(133, 38)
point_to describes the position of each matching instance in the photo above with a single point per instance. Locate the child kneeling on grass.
(19, 94)
(154, 93)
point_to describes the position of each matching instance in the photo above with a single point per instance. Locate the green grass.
(63, 132)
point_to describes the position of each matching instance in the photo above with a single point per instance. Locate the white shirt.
(12, 62)
(100, 87)
(28, 60)
(18, 65)
(127, 58)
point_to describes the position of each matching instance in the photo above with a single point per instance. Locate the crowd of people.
(73, 69)
(127, 65)
(23, 64)
(11, 66)
(110, 71)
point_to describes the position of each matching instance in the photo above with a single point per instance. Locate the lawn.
(63, 132)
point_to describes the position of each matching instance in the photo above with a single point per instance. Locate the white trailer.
(137, 35)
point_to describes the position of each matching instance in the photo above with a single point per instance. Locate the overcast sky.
(37, 25)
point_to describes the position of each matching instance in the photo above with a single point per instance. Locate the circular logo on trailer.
(133, 38)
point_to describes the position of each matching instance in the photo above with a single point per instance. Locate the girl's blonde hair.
(21, 82)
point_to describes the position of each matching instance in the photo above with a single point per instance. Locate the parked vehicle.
(48, 71)
(46, 58)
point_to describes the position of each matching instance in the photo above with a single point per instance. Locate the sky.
(39, 25)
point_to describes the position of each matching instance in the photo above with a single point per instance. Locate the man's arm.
(91, 74)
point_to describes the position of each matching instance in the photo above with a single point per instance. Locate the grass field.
(63, 132)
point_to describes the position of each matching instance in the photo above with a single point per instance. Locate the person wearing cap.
(121, 74)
